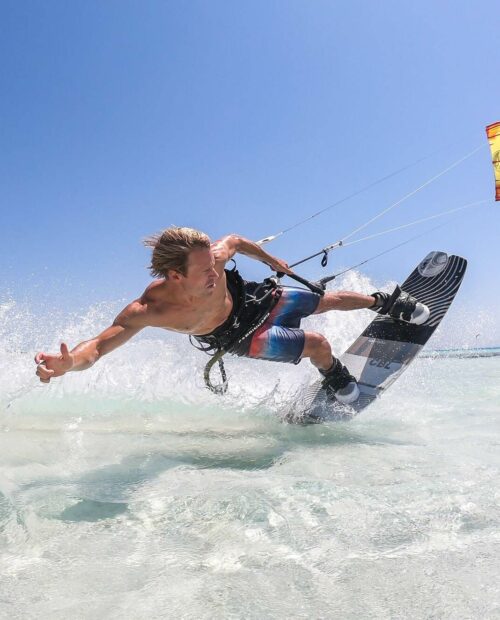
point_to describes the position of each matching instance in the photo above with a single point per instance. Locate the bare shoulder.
(137, 313)
(225, 248)
(133, 315)
(153, 292)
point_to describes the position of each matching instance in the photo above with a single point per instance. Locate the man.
(195, 295)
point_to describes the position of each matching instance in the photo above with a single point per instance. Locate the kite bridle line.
(342, 242)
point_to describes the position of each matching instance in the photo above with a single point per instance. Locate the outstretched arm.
(85, 354)
(227, 247)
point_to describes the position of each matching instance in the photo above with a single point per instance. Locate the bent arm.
(228, 246)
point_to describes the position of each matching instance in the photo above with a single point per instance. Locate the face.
(201, 275)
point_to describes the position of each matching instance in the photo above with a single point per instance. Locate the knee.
(315, 344)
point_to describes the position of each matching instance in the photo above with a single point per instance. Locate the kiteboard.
(387, 346)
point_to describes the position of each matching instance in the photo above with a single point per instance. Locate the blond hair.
(171, 249)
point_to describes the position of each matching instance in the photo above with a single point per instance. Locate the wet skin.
(194, 303)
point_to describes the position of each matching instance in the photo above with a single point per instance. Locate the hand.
(49, 366)
(279, 266)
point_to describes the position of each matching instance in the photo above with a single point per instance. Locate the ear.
(174, 275)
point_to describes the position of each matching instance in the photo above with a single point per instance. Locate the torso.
(197, 316)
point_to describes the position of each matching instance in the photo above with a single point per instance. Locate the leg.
(293, 305)
(287, 344)
(318, 350)
(399, 305)
(284, 344)
(337, 378)
(344, 300)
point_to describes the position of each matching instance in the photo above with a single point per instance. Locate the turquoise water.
(128, 491)
(464, 353)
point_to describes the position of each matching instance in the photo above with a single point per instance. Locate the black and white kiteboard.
(387, 346)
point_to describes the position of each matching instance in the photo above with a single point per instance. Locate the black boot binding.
(400, 306)
(339, 381)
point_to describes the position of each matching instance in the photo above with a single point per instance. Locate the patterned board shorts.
(280, 338)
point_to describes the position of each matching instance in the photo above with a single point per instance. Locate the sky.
(120, 118)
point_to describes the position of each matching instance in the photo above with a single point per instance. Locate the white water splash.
(134, 483)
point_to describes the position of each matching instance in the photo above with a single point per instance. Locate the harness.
(251, 309)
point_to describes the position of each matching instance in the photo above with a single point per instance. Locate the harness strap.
(218, 355)
(220, 389)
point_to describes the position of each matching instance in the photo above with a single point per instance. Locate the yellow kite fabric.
(493, 133)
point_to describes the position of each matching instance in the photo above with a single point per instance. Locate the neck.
(179, 293)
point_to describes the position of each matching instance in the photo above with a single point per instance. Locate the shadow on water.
(223, 440)
(91, 511)
(103, 493)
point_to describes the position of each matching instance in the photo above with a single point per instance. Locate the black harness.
(252, 304)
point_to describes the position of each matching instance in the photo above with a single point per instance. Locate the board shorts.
(279, 338)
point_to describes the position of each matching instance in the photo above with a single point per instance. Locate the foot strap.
(384, 302)
(336, 377)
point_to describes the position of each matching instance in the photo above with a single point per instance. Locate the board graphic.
(387, 346)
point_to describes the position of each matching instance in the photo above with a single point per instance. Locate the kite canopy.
(493, 133)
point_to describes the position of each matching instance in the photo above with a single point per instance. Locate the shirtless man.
(195, 295)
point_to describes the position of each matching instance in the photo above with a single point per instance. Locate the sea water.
(130, 491)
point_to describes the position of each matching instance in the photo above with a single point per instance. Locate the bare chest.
(201, 317)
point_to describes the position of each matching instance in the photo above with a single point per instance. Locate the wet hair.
(171, 249)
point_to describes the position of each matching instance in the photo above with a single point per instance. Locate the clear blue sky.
(120, 118)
